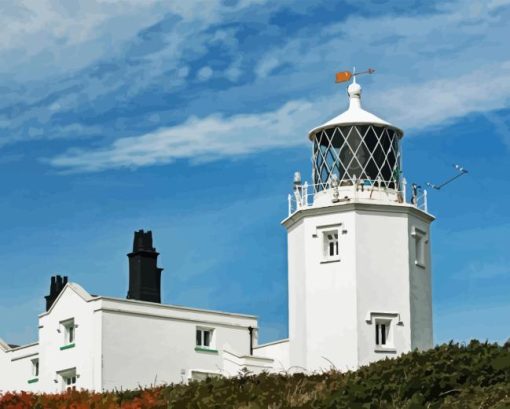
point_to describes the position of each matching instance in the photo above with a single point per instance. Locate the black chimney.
(144, 273)
(57, 285)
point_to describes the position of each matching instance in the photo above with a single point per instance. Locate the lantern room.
(356, 147)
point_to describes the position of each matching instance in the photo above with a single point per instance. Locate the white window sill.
(387, 350)
(330, 260)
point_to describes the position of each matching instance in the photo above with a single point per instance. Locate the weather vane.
(343, 76)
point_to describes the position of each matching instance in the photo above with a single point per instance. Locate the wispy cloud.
(165, 81)
(200, 140)
(440, 101)
(416, 107)
(487, 270)
(107, 63)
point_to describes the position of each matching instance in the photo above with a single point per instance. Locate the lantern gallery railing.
(305, 195)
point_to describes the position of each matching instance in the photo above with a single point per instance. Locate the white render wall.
(333, 304)
(4, 367)
(85, 356)
(278, 351)
(420, 279)
(322, 295)
(125, 344)
(297, 295)
(16, 368)
(383, 280)
(146, 344)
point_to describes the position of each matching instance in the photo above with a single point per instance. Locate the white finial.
(354, 91)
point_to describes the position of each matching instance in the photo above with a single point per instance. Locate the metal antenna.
(460, 172)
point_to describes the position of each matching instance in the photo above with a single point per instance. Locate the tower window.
(381, 333)
(384, 327)
(331, 244)
(419, 247)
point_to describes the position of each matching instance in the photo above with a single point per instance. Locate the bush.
(448, 376)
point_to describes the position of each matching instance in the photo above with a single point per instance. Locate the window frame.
(200, 339)
(68, 379)
(35, 367)
(391, 321)
(420, 248)
(331, 244)
(383, 333)
(69, 327)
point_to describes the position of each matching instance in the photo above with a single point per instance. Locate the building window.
(204, 337)
(419, 247)
(68, 379)
(70, 382)
(331, 244)
(35, 367)
(69, 331)
(203, 375)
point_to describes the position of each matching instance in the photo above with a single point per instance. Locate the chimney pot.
(57, 284)
(144, 273)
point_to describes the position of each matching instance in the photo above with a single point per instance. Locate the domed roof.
(354, 115)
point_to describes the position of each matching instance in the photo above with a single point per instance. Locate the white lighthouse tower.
(358, 251)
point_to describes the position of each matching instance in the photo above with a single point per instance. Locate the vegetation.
(449, 376)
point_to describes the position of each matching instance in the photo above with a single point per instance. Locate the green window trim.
(68, 346)
(212, 351)
(34, 380)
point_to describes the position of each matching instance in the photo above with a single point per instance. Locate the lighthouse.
(359, 270)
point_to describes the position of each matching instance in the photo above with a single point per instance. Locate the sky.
(190, 118)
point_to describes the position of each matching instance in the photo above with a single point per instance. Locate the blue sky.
(189, 118)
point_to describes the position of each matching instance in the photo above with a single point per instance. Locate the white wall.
(85, 356)
(125, 344)
(331, 294)
(322, 295)
(383, 280)
(330, 303)
(278, 351)
(233, 364)
(4, 367)
(420, 289)
(145, 345)
(19, 369)
(296, 255)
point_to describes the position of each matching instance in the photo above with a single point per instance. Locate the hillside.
(449, 376)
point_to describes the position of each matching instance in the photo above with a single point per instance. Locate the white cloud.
(200, 139)
(431, 69)
(94, 55)
(204, 73)
(440, 101)
(501, 126)
(487, 270)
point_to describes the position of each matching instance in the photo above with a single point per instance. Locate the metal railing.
(303, 195)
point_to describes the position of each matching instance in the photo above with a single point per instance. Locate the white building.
(359, 286)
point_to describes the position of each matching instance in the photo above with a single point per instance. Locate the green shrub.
(449, 376)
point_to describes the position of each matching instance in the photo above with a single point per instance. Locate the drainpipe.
(251, 339)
